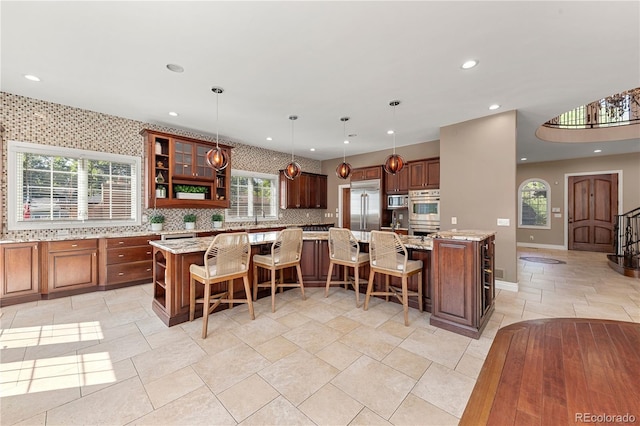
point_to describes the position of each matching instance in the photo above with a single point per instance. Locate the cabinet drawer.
(72, 245)
(129, 272)
(130, 241)
(128, 254)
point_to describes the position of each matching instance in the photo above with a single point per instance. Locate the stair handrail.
(627, 234)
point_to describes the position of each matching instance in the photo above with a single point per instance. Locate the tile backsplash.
(32, 120)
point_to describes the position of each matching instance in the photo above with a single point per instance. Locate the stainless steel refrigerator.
(366, 202)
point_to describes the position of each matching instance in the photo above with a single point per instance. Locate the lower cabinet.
(19, 273)
(69, 265)
(463, 285)
(315, 263)
(125, 261)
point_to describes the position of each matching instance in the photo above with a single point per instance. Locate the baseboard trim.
(506, 285)
(542, 246)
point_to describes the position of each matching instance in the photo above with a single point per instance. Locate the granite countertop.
(191, 245)
(84, 236)
(464, 234)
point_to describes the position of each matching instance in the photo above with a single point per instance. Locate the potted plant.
(156, 221)
(217, 218)
(191, 192)
(189, 221)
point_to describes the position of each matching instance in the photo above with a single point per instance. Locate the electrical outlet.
(531, 237)
(503, 222)
(400, 216)
(62, 232)
(454, 220)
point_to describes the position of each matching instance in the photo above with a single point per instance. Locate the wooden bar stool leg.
(369, 287)
(420, 291)
(326, 290)
(356, 284)
(192, 298)
(205, 310)
(273, 290)
(255, 282)
(230, 293)
(247, 291)
(345, 273)
(299, 271)
(386, 287)
(405, 300)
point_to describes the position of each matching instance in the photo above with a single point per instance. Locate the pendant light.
(394, 163)
(344, 169)
(293, 169)
(216, 158)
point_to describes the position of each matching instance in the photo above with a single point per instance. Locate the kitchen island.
(172, 258)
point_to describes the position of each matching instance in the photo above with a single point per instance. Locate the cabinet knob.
(121, 255)
(148, 252)
(120, 273)
(120, 242)
(148, 269)
(74, 245)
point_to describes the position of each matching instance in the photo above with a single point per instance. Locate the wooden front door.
(593, 206)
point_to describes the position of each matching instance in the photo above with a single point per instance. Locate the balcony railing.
(616, 110)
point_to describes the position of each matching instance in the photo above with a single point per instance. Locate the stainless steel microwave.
(397, 201)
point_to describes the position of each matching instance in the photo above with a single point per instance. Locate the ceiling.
(325, 60)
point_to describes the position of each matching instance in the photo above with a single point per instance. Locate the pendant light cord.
(344, 136)
(292, 144)
(217, 96)
(394, 129)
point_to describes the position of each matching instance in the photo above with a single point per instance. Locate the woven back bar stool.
(344, 250)
(226, 259)
(389, 256)
(286, 252)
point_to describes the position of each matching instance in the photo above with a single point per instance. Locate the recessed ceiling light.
(523, 159)
(389, 132)
(173, 113)
(469, 64)
(346, 141)
(494, 106)
(269, 138)
(597, 150)
(312, 149)
(31, 77)
(175, 68)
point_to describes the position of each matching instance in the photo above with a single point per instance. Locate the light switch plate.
(454, 220)
(555, 209)
(557, 215)
(503, 222)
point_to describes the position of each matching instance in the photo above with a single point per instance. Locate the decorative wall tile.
(32, 120)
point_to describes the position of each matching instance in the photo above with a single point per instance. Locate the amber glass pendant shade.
(343, 170)
(393, 164)
(217, 159)
(292, 170)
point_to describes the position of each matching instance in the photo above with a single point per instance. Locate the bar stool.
(389, 256)
(286, 252)
(344, 250)
(226, 259)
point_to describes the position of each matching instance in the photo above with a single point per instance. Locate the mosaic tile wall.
(31, 120)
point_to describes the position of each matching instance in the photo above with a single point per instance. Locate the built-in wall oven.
(424, 211)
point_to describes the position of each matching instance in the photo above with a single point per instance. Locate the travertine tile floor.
(105, 358)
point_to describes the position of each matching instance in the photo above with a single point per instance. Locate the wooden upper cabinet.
(398, 183)
(424, 174)
(307, 191)
(175, 160)
(366, 173)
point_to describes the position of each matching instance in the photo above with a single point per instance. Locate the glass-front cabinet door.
(202, 168)
(183, 159)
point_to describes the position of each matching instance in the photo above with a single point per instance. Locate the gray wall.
(554, 173)
(477, 181)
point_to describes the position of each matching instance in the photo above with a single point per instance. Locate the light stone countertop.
(464, 234)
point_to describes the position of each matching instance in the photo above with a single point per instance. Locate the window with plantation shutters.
(54, 187)
(253, 196)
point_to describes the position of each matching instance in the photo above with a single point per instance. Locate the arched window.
(534, 201)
